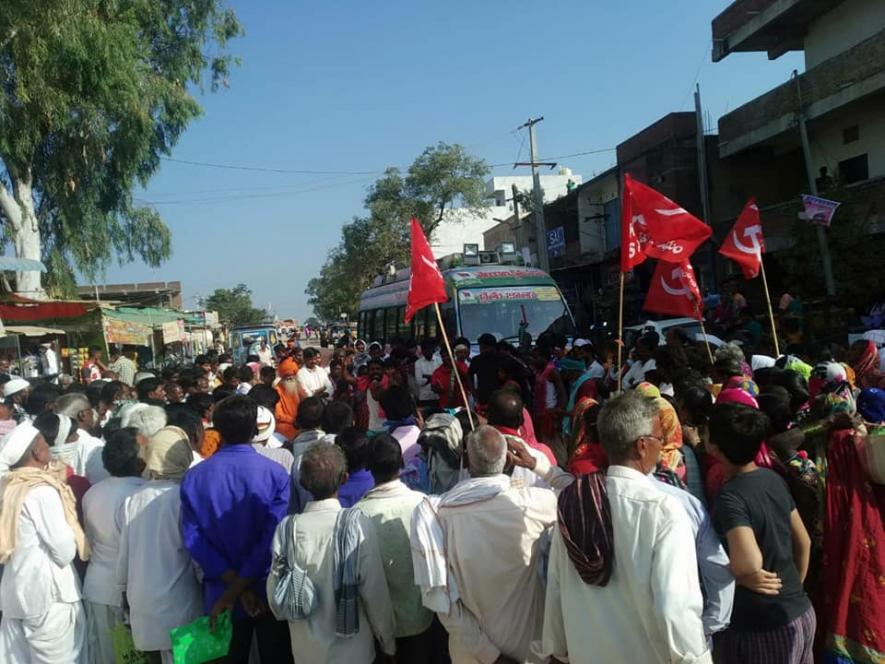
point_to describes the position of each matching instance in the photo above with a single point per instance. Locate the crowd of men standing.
(723, 512)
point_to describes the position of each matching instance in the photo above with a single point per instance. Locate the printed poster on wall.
(126, 333)
(173, 332)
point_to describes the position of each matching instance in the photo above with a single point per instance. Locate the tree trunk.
(24, 232)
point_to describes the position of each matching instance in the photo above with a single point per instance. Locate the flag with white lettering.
(653, 226)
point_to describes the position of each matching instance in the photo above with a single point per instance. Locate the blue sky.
(358, 86)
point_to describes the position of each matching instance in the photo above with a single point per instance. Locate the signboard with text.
(556, 242)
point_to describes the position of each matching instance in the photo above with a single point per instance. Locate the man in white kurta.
(102, 521)
(650, 608)
(314, 639)
(86, 450)
(153, 567)
(43, 617)
(493, 601)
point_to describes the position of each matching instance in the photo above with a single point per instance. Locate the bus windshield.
(501, 310)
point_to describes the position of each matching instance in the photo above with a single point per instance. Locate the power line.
(261, 169)
(218, 199)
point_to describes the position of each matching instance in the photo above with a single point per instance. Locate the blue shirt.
(356, 486)
(716, 577)
(231, 504)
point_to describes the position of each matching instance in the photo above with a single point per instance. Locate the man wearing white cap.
(266, 444)
(17, 391)
(43, 616)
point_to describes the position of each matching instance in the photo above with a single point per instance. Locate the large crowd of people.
(398, 502)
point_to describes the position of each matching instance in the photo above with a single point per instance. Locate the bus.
(500, 299)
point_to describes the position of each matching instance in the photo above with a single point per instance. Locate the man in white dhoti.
(101, 519)
(153, 567)
(43, 616)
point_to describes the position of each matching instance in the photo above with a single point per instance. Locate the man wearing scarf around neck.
(647, 607)
(43, 616)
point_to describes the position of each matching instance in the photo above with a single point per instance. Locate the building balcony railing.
(843, 79)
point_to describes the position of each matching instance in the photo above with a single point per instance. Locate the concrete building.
(841, 95)
(460, 226)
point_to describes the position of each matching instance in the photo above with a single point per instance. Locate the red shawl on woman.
(866, 368)
(852, 616)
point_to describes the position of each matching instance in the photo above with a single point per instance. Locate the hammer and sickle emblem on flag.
(678, 292)
(753, 233)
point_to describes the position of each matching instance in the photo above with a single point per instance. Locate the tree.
(93, 93)
(441, 178)
(234, 305)
(857, 269)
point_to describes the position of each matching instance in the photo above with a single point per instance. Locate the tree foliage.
(442, 178)
(856, 269)
(93, 93)
(234, 305)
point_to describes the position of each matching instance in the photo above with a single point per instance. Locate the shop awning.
(32, 330)
(13, 264)
(151, 316)
(33, 310)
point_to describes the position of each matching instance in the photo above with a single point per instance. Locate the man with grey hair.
(622, 581)
(144, 417)
(338, 550)
(476, 556)
(86, 460)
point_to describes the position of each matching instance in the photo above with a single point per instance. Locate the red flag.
(745, 244)
(426, 285)
(674, 290)
(653, 226)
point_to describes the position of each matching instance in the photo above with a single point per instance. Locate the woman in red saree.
(852, 615)
(589, 455)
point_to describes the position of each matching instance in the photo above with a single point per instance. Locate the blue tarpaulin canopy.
(13, 264)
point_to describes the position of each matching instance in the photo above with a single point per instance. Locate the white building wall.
(590, 204)
(846, 25)
(460, 227)
(827, 144)
(553, 186)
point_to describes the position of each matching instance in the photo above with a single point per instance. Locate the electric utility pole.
(822, 241)
(537, 194)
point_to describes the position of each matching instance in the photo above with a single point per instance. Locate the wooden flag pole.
(454, 365)
(777, 350)
(620, 332)
(704, 332)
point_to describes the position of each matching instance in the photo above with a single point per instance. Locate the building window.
(856, 169)
(850, 134)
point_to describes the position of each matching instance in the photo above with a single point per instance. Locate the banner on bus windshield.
(494, 275)
(512, 294)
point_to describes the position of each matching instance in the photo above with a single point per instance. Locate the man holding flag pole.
(427, 286)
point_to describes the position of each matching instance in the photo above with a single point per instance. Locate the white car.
(691, 326)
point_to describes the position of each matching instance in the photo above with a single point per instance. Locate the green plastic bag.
(124, 648)
(196, 643)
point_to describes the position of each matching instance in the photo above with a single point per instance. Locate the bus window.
(361, 326)
(448, 316)
(378, 325)
(432, 330)
(389, 324)
(419, 327)
(403, 330)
